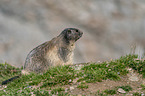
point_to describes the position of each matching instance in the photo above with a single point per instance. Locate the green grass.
(57, 90)
(37, 92)
(82, 86)
(110, 92)
(98, 93)
(137, 94)
(143, 86)
(64, 75)
(6, 71)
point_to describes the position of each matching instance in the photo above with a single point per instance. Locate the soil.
(93, 88)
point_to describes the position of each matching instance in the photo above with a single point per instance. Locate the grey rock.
(134, 78)
(71, 88)
(120, 90)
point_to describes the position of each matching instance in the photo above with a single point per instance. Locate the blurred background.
(112, 28)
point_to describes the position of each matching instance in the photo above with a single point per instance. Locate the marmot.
(58, 51)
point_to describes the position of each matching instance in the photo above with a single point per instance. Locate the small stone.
(120, 90)
(118, 73)
(71, 88)
(130, 69)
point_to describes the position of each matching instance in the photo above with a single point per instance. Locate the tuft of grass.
(57, 90)
(6, 71)
(143, 86)
(100, 93)
(110, 92)
(136, 94)
(82, 86)
(106, 70)
(58, 75)
(132, 62)
(97, 73)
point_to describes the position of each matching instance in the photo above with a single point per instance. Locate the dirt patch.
(93, 88)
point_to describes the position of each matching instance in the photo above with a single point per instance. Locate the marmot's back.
(58, 51)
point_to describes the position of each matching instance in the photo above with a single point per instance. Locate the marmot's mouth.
(78, 37)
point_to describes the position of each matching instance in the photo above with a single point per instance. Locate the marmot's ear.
(69, 34)
(69, 31)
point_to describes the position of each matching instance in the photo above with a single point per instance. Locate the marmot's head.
(72, 34)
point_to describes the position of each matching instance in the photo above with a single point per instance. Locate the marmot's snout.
(80, 34)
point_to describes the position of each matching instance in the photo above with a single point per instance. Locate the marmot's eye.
(77, 30)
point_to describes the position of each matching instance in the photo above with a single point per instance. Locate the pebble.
(120, 90)
(71, 88)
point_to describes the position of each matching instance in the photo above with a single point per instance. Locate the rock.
(133, 78)
(120, 90)
(72, 88)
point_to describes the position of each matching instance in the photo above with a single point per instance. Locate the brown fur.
(58, 51)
